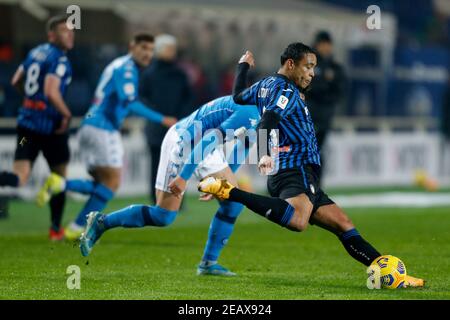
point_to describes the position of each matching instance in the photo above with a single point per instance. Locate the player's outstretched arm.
(141, 110)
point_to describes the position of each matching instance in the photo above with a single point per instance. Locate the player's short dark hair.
(55, 21)
(295, 51)
(143, 37)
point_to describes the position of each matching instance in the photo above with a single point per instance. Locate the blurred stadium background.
(392, 128)
(389, 147)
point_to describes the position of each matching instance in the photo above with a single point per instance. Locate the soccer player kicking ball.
(204, 129)
(293, 178)
(43, 121)
(99, 136)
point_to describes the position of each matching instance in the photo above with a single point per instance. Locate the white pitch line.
(394, 199)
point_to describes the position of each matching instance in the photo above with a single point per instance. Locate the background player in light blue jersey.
(203, 130)
(115, 98)
(44, 117)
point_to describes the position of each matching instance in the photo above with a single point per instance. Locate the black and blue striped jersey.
(37, 114)
(297, 144)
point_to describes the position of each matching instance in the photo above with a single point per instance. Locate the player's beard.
(306, 89)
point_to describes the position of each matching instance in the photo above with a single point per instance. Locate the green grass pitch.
(271, 262)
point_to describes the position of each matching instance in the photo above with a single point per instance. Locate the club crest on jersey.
(282, 102)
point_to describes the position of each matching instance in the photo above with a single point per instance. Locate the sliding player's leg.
(133, 216)
(101, 190)
(137, 216)
(220, 230)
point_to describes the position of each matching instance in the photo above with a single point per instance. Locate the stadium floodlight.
(34, 9)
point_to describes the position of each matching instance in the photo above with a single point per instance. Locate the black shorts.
(288, 183)
(55, 147)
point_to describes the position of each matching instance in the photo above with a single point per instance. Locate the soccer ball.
(390, 270)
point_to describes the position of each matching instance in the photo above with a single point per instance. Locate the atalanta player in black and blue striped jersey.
(44, 117)
(297, 199)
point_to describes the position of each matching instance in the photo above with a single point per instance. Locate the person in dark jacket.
(165, 87)
(326, 90)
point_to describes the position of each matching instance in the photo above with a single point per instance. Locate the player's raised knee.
(162, 217)
(297, 224)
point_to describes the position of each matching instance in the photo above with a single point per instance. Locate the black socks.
(358, 248)
(57, 203)
(274, 209)
(9, 179)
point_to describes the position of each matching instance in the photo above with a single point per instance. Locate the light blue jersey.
(222, 114)
(116, 96)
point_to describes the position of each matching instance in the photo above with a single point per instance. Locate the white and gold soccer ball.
(386, 272)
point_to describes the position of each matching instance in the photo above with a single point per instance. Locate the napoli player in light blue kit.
(43, 121)
(99, 135)
(204, 129)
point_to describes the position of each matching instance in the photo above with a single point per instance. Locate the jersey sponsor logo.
(284, 149)
(263, 92)
(282, 102)
(128, 88)
(34, 104)
(61, 70)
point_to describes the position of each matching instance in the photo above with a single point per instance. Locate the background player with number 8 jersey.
(37, 113)
(44, 117)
